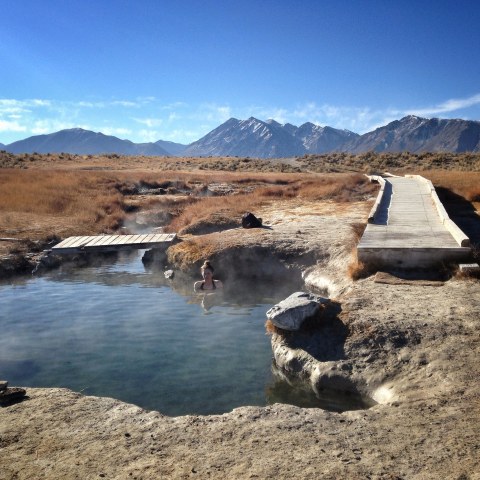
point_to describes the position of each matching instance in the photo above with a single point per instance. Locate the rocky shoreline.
(411, 347)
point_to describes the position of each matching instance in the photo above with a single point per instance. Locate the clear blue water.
(119, 330)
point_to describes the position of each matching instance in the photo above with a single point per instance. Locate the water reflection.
(117, 329)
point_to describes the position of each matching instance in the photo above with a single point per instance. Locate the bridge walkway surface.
(111, 243)
(410, 228)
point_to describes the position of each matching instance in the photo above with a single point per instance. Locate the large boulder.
(290, 313)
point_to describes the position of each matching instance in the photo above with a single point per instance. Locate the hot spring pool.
(119, 330)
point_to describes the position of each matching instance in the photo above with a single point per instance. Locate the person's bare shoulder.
(197, 286)
(218, 284)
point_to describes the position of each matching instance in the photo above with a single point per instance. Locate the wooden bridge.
(409, 227)
(111, 243)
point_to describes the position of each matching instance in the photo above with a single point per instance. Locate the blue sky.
(152, 70)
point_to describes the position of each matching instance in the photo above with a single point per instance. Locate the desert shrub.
(357, 229)
(340, 188)
(358, 270)
(87, 201)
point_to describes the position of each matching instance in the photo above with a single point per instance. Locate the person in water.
(208, 283)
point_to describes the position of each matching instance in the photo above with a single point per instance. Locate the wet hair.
(207, 266)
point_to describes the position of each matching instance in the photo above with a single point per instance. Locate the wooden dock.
(112, 243)
(410, 228)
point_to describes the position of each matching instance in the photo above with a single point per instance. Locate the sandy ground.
(413, 348)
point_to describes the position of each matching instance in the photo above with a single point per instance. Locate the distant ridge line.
(270, 139)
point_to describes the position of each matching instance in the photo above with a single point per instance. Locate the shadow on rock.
(322, 336)
(290, 389)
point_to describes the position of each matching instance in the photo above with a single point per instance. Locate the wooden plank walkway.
(109, 243)
(407, 230)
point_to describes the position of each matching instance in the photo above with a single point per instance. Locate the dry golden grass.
(188, 253)
(132, 163)
(270, 329)
(41, 204)
(371, 162)
(358, 270)
(367, 162)
(45, 195)
(216, 210)
(467, 185)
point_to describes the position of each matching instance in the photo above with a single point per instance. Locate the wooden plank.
(117, 240)
(141, 239)
(131, 239)
(125, 240)
(97, 242)
(67, 242)
(149, 237)
(110, 240)
(81, 242)
(159, 237)
(93, 241)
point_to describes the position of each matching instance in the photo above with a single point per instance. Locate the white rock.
(290, 313)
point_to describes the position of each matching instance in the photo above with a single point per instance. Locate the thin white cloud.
(281, 115)
(173, 106)
(35, 102)
(9, 126)
(184, 123)
(40, 103)
(448, 106)
(149, 122)
(210, 112)
(114, 131)
(125, 103)
(41, 127)
(89, 104)
(184, 135)
(146, 135)
(145, 100)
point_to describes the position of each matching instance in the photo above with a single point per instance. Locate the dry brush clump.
(221, 210)
(398, 162)
(185, 255)
(367, 162)
(358, 270)
(82, 203)
(460, 183)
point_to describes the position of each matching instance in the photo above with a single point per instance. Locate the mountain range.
(77, 140)
(270, 139)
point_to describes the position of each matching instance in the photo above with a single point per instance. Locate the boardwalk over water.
(410, 228)
(111, 243)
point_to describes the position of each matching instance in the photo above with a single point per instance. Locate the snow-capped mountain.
(270, 139)
(416, 134)
(318, 139)
(251, 137)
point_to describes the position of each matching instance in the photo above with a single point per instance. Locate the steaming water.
(118, 330)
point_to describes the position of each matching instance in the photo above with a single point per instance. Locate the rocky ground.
(411, 347)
